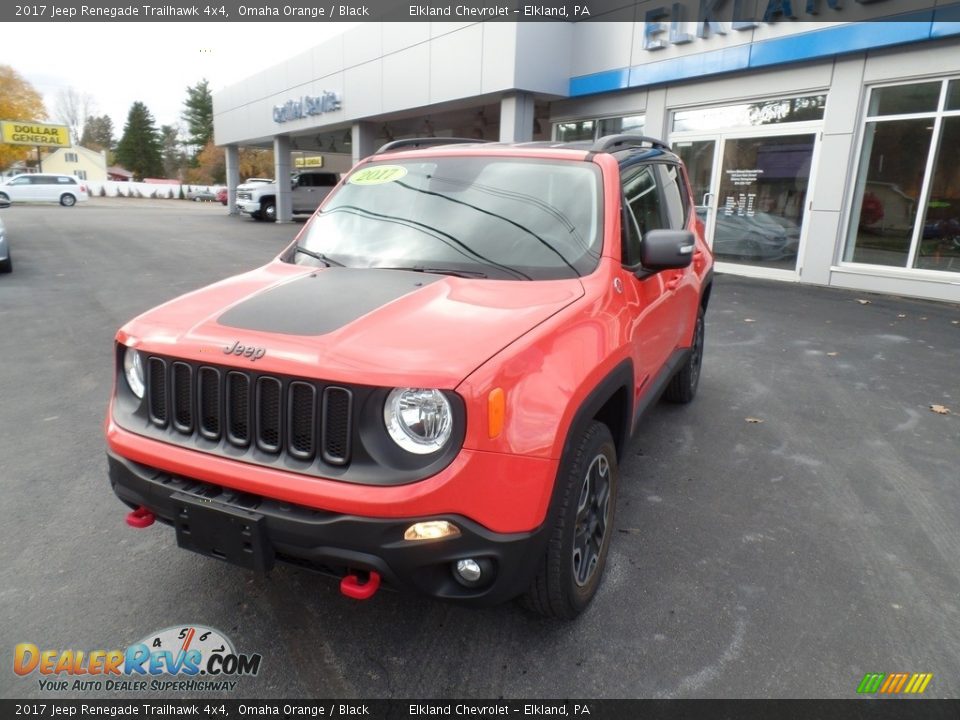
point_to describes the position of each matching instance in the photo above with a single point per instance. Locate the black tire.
(570, 572)
(256, 215)
(68, 200)
(6, 265)
(683, 386)
(268, 210)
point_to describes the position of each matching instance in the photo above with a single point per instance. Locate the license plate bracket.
(223, 532)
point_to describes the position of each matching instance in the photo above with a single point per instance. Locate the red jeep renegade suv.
(433, 384)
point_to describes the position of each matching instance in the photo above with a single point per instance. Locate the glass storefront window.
(765, 112)
(953, 95)
(892, 164)
(573, 131)
(905, 99)
(614, 126)
(939, 247)
(906, 210)
(593, 129)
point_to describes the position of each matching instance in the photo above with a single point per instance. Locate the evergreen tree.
(98, 133)
(140, 150)
(198, 114)
(174, 159)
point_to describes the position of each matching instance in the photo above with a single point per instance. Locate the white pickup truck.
(308, 189)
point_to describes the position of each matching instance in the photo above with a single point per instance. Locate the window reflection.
(940, 239)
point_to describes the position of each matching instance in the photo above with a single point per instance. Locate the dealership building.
(818, 152)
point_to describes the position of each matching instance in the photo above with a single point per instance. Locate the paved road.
(784, 558)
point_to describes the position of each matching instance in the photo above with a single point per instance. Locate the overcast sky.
(119, 63)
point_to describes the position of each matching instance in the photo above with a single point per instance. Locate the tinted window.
(20, 181)
(643, 208)
(503, 217)
(66, 180)
(643, 199)
(673, 196)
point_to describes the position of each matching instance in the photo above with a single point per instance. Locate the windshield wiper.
(318, 256)
(435, 270)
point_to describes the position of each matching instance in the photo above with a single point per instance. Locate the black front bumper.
(256, 531)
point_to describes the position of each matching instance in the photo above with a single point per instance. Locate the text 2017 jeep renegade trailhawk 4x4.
(433, 384)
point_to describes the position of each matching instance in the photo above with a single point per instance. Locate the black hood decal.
(323, 301)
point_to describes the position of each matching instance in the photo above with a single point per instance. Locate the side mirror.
(667, 249)
(4, 203)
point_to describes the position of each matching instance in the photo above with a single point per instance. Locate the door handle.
(673, 282)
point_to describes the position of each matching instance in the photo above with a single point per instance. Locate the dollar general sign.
(30, 133)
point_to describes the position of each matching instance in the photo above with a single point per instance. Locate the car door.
(650, 322)
(20, 189)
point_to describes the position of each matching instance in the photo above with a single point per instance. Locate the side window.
(20, 181)
(328, 180)
(66, 180)
(643, 210)
(673, 196)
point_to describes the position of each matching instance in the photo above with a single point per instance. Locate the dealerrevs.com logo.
(181, 658)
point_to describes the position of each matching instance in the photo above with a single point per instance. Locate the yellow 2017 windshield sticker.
(377, 175)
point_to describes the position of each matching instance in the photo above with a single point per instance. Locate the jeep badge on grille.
(247, 351)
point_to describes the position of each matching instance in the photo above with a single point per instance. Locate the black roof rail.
(425, 142)
(613, 143)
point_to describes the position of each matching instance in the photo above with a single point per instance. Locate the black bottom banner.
(867, 709)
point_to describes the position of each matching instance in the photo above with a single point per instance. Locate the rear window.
(66, 180)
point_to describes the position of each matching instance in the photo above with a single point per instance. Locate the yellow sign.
(377, 174)
(302, 162)
(30, 133)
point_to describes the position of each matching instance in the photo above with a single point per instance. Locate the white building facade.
(819, 152)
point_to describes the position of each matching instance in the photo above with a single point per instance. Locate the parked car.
(222, 196)
(433, 385)
(202, 195)
(6, 262)
(40, 187)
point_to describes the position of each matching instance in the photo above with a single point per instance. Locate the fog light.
(431, 530)
(469, 570)
(473, 573)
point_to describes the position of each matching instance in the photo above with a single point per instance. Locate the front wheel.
(6, 265)
(268, 210)
(683, 387)
(4, 196)
(570, 571)
(68, 200)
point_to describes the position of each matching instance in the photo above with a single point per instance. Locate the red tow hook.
(353, 588)
(140, 518)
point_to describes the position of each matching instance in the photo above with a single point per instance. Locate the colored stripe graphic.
(894, 683)
(870, 683)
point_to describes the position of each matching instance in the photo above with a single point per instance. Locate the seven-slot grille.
(299, 417)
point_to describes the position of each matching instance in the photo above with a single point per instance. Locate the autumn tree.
(18, 101)
(72, 108)
(98, 133)
(198, 115)
(256, 162)
(211, 166)
(139, 150)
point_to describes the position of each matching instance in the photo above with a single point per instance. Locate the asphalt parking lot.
(792, 529)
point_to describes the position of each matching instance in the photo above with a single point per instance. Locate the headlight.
(133, 370)
(418, 420)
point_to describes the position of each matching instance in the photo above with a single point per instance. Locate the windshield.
(502, 218)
